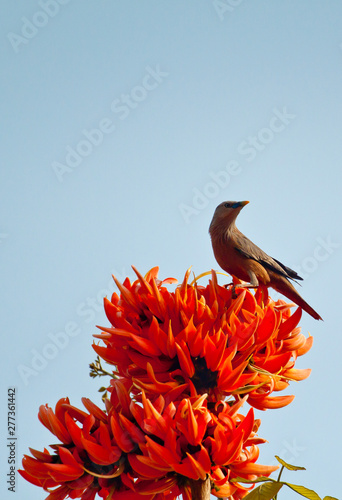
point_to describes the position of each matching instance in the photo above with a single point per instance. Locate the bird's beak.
(241, 204)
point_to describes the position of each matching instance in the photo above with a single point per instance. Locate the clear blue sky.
(124, 124)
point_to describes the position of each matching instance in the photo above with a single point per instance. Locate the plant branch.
(200, 490)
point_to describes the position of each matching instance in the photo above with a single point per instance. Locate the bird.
(240, 257)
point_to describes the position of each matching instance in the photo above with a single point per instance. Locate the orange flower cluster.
(145, 450)
(184, 364)
(202, 340)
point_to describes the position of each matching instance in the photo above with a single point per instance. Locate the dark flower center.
(203, 378)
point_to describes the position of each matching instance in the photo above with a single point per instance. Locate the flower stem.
(280, 473)
(96, 369)
(200, 490)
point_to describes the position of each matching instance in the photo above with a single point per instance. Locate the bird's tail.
(286, 288)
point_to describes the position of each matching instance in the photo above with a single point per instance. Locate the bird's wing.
(249, 250)
(290, 272)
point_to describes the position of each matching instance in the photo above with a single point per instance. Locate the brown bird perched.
(238, 256)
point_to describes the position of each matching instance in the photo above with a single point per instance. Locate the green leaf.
(247, 388)
(265, 491)
(289, 466)
(305, 492)
(259, 479)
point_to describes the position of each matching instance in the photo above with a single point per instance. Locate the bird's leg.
(253, 280)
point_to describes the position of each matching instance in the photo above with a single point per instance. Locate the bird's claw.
(241, 285)
(234, 294)
(228, 285)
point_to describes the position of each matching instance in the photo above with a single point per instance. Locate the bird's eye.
(228, 205)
